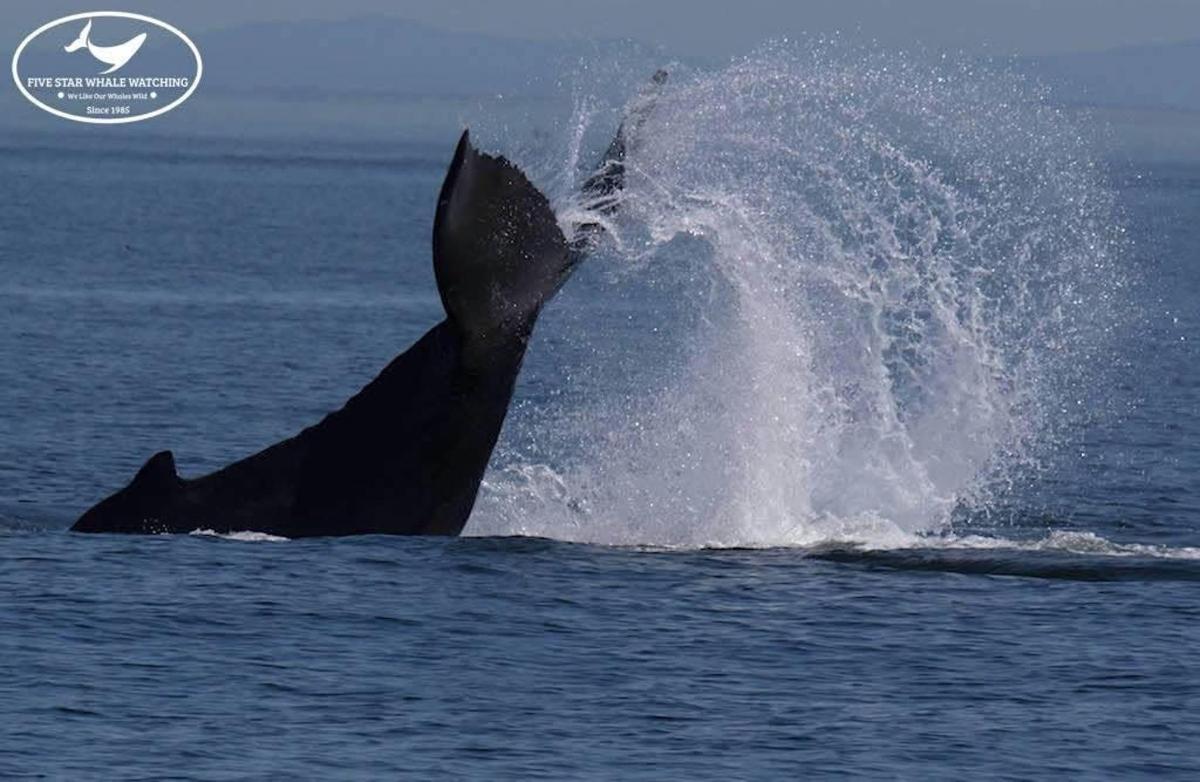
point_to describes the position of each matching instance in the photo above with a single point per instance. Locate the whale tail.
(498, 253)
(601, 192)
(82, 40)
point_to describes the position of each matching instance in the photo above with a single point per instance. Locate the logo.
(116, 56)
(107, 67)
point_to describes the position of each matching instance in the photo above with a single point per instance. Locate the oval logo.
(107, 67)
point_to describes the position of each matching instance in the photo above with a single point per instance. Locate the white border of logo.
(108, 120)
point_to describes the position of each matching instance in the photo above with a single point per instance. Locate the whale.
(406, 454)
(113, 56)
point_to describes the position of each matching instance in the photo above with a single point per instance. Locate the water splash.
(243, 536)
(852, 294)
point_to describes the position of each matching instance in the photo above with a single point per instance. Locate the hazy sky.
(715, 28)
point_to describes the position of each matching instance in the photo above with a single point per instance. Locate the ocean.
(866, 447)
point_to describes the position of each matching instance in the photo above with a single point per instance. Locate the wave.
(1076, 556)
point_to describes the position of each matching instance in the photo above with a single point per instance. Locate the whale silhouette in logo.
(406, 455)
(114, 56)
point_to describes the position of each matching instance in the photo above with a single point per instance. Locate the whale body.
(405, 455)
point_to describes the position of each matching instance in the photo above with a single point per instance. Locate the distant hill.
(384, 56)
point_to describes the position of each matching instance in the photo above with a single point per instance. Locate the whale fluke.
(494, 281)
(602, 190)
(81, 40)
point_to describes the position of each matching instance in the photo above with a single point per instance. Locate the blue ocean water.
(649, 589)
